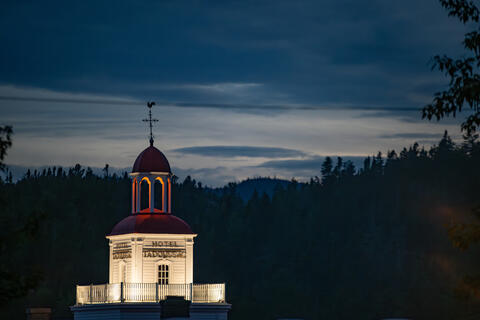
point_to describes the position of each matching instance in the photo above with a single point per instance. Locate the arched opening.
(159, 195)
(145, 194)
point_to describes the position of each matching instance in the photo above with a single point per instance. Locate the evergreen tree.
(327, 171)
(15, 280)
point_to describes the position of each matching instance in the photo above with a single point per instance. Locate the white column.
(137, 260)
(133, 262)
(110, 263)
(189, 260)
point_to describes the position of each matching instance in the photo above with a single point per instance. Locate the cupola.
(151, 256)
(151, 182)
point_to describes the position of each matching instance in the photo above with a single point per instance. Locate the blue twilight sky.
(243, 88)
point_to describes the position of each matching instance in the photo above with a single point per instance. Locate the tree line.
(367, 242)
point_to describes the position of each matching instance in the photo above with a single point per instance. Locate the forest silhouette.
(366, 242)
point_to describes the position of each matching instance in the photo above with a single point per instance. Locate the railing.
(149, 292)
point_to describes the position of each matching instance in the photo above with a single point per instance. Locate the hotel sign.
(164, 243)
(164, 253)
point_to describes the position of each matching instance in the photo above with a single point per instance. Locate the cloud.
(94, 134)
(10, 93)
(402, 114)
(413, 135)
(226, 87)
(240, 151)
(310, 166)
(422, 138)
(266, 52)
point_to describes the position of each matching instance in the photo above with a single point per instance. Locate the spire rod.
(150, 120)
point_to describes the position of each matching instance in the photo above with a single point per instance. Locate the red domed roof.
(151, 160)
(151, 223)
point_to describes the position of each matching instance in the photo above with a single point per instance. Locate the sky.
(243, 88)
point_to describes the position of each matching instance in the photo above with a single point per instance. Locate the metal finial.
(150, 120)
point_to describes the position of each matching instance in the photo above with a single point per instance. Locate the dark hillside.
(246, 188)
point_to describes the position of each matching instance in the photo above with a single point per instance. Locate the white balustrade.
(149, 292)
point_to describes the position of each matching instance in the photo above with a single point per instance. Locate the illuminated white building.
(151, 256)
(151, 245)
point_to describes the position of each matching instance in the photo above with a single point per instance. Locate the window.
(159, 194)
(144, 194)
(163, 274)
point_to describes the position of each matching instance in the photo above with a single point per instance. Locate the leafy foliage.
(464, 87)
(464, 235)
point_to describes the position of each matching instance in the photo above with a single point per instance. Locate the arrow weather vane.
(150, 120)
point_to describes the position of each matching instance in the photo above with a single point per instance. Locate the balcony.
(149, 292)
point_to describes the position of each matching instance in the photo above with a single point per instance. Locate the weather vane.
(150, 120)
